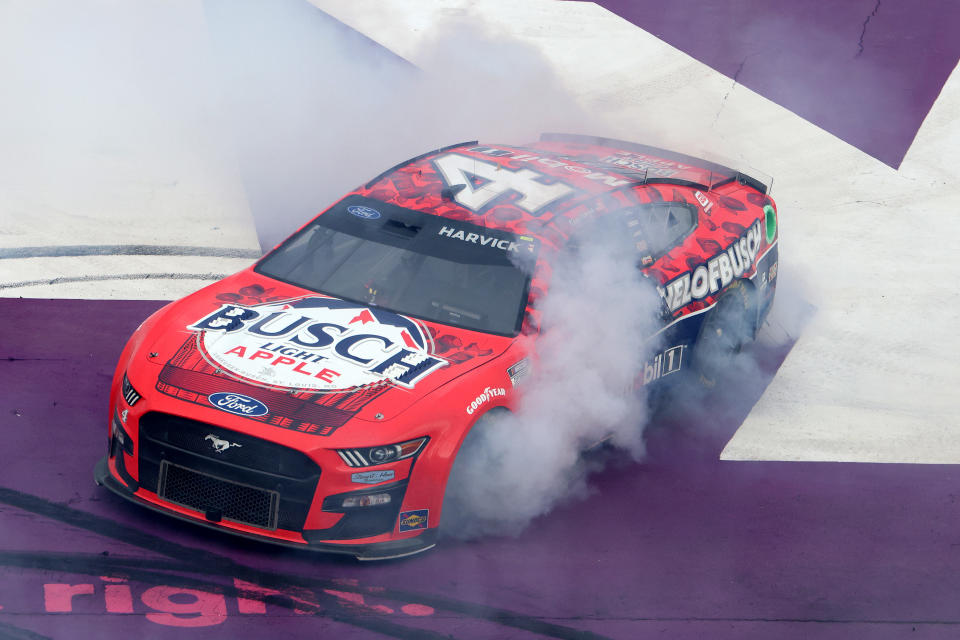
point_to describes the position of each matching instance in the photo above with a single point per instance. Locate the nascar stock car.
(320, 397)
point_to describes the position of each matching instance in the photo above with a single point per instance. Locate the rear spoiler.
(724, 175)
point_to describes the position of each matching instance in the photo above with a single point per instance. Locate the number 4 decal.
(481, 182)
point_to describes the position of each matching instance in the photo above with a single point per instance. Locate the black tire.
(726, 329)
(458, 518)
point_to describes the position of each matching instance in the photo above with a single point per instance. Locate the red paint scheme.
(166, 363)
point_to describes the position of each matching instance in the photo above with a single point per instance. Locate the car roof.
(592, 168)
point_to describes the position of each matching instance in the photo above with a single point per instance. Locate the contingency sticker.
(373, 477)
(519, 371)
(662, 364)
(414, 520)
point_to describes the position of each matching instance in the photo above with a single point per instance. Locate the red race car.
(319, 398)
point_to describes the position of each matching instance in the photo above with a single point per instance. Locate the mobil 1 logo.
(663, 364)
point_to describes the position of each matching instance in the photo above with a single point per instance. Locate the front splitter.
(367, 552)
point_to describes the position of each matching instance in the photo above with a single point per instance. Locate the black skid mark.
(13, 632)
(70, 251)
(189, 560)
(116, 276)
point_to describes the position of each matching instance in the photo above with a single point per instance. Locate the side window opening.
(658, 227)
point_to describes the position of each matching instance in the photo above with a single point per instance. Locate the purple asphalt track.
(682, 544)
(867, 71)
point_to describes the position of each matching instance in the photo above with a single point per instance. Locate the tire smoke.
(597, 317)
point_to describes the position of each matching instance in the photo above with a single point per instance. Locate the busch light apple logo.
(238, 404)
(316, 344)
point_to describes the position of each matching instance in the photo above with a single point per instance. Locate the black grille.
(218, 498)
(248, 451)
(256, 465)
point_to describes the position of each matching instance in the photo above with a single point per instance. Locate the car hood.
(275, 353)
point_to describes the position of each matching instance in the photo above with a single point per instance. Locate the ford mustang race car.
(320, 397)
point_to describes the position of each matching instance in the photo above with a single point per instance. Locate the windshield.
(412, 263)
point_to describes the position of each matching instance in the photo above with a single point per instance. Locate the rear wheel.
(727, 327)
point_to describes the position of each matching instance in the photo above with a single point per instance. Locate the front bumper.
(375, 551)
(164, 467)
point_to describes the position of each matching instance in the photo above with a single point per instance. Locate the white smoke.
(314, 111)
(108, 128)
(745, 373)
(597, 319)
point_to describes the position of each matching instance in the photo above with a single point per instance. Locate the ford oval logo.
(364, 212)
(238, 404)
